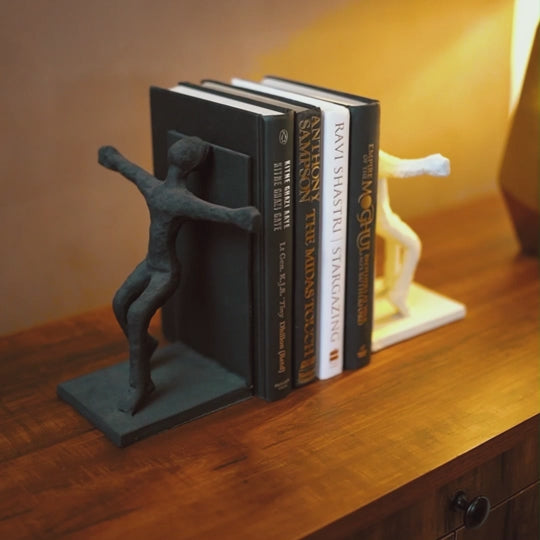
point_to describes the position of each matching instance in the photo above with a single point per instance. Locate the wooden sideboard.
(377, 453)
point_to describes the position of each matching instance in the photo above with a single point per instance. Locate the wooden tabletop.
(436, 405)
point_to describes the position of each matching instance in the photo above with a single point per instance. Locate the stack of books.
(295, 301)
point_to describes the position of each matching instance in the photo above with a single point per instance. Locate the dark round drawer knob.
(476, 511)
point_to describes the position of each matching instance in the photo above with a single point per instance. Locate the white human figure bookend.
(404, 309)
(402, 244)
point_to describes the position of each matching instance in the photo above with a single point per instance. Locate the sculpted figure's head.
(187, 154)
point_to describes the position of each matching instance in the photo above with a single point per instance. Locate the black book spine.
(274, 360)
(306, 243)
(360, 275)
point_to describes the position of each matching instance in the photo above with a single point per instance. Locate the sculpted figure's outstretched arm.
(112, 159)
(394, 167)
(402, 245)
(246, 217)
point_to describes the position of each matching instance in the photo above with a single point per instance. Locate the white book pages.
(231, 102)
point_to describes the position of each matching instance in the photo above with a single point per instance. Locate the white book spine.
(333, 247)
(333, 226)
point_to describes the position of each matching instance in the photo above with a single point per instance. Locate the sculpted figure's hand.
(107, 156)
(249, 219)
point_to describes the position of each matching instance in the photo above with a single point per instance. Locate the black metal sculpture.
(155, 279)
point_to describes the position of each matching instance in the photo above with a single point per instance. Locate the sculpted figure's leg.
(392, 262)
(141, 344)
(412, 248)
(398, 233)
(130, 290)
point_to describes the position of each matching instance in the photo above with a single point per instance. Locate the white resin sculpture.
(402, 246)
(404, 309)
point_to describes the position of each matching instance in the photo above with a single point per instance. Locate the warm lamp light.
(519, 176)
(526, 18)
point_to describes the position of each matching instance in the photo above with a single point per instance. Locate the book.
(332, 230)
(361, 212)
(306, 217)
(262, 287)
(199, 303)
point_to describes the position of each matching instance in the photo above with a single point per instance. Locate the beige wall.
(75, 75)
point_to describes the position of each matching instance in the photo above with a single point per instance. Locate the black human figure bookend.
(171, 205)
(155, 279)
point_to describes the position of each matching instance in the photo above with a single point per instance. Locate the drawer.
(499, 479)
(514, 519)
(430, 518)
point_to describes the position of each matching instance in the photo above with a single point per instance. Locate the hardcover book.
(332, 231)
(217, 262)
(306, 217)
(363, 163)
(259, 284)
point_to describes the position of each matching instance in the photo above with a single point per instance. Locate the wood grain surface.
(331, 455)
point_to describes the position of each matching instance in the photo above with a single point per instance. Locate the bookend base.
(188, 385)
(428, 310)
